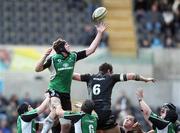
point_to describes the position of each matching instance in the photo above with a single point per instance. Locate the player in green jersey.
(165, 123)
(61, 66)
(84, 121)
(25, 121)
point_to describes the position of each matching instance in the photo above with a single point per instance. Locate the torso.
(61, 72)
(100, 90)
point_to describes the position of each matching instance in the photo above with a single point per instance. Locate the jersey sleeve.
(85, 77)
(73, 116)
(29, 116)
(81, 55)
(47, 63)
(157, 121)
(119, 77)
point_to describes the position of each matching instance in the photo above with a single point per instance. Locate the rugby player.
(100, 87)
(84, 121)
(165, 123)
(61, 66)
(25, 121)
(130, 125)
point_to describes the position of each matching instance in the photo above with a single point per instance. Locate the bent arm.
(39, 67)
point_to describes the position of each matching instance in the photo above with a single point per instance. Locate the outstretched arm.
(76, 76)
(137, 77)
(100, 29)
(39, 67)
(146, 110)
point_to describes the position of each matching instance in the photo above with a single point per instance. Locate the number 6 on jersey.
(96, 89)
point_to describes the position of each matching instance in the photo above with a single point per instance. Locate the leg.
(49, 121)
(65, 128)
(56, 127)
(65, 124)
(66, 105)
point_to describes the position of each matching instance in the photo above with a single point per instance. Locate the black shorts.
(64, 98)
(106, 121)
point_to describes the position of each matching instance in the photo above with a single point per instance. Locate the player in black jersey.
(100, 87)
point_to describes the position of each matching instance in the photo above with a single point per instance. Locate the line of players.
(100, 85)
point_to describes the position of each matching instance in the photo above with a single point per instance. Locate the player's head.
(23, 108)
(61, 46)
(129, 121)
(88, 106)
(106, 68)
(168, 112)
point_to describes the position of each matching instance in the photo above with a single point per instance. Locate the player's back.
(88, 124)
(100, 89)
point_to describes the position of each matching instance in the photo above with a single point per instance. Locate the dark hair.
(170, 106)
(58, 46)
(171, 116)
(88, 106)
(22, 108)
(105, 67)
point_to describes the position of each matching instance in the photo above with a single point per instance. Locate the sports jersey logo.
(59, 60)
(65, 65)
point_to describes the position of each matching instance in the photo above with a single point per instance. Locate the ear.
(109, 71)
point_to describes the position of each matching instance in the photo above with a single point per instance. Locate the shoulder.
(73, 53)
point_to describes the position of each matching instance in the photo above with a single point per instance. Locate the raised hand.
(46, 95)
(101, 27)
(136, 127)
(140, 93)
(150, 80)
(48, 51)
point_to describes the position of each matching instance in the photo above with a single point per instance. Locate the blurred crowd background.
(29, 27)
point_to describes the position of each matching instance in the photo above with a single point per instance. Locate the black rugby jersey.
(100, 88)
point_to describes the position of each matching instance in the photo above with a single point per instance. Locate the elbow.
(37, 70)
(146, 113)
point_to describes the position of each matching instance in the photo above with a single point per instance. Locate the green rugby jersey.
(160, 125)
(83, 123)
(26, 122)
(61, 72)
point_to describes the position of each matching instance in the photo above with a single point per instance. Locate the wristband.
(137, 77)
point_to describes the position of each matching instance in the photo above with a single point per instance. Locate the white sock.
(47, 125)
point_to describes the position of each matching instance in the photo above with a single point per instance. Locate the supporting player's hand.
(101, 27)
(150, 80)
(48, 51)
(140, 93)
(46, 95)
(137, 127)
(78, 105)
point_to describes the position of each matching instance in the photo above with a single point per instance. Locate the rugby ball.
(99, 14)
